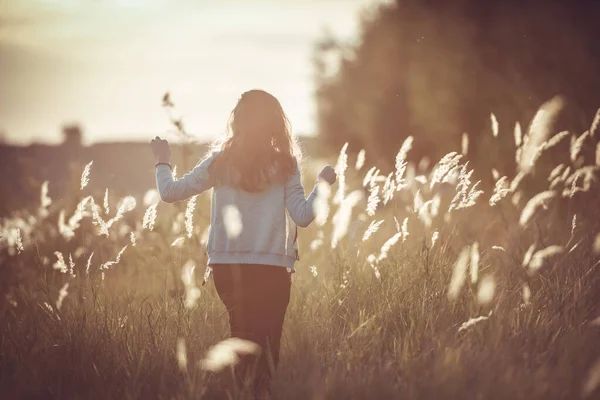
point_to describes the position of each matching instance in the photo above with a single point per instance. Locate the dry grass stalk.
(486, 290)
(466, 195)
(537, 201)
(401, 163)
(178, 242)
(340, 170)
(389, 187)
(368, 176)
(127, 204)
(62, 294)
(539, 131)
(85, 176)
(189, 215)
(181, 352)
(60, 264)
(104, 267)
(577, 145)
(501, 189)
(518, 135)
(494, 125)
(132, 238)
(97, 219)
(444, 169)
(360, 160)
(227, 354)
(434, 238)
(192, 293)
(474, 269)
(459, 273)
(595, 125)
(19, 241)
(45, 200)
(373, 200)
(474, 321)
(385, 249)
(106, 205)
(341, 219)
(89, 264)
(149, 217)
(371, 229)
(539, 257)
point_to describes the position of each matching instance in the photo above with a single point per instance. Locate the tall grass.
(442, 289)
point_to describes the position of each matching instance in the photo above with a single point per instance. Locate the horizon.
(58, 64)
(137, 140)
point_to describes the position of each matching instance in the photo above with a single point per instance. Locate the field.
(412, 285)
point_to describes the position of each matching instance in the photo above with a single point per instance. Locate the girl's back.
(246, 227)
(252, 226)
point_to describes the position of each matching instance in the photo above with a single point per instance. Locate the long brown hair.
(258, 149)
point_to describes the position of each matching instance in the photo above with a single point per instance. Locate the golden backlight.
(105, 64)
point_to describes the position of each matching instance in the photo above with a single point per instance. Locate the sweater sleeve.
(299, 207)
(194, 182)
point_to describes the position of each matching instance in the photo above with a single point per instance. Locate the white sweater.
(267, 235)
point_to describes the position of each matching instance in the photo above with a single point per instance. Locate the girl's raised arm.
(194, 182)
(300, 208)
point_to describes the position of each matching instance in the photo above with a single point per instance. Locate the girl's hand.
(328, 175)
(161, 150)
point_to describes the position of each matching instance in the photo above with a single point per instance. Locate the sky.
(107, 63)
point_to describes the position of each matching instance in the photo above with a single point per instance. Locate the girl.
(255, 175)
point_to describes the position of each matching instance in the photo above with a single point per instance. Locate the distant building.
(72, 136)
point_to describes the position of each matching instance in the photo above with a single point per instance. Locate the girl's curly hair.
(258, 149)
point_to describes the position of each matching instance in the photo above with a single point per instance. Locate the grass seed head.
(189, 216)
(192, 292)
(494, 122)
(340, 170)
(474, 321)
(62, 294)
(459, 273)
(182, 360)
(360, 160)
(486, 290)
(341, 219)
(89, 264)
(464, 144)
(85, 175)
(518, 135)
(106, 205)
(149, 217)
(371, 229)
(536, 202)
(227, 354)
(474, 270)
(434, 238)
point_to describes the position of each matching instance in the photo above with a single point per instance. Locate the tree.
(435, 69)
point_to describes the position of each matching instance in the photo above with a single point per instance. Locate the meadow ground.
(412, 285)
